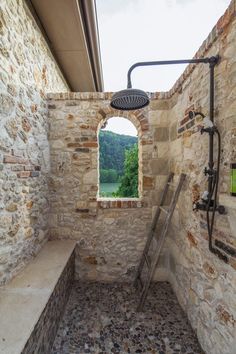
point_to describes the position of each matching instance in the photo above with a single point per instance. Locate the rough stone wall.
(43, 335)
(28, 71)
(204, 284)
(110, 233)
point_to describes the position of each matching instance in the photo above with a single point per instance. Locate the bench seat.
(32, 303)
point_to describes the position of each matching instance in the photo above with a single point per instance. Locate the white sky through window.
(121, 125)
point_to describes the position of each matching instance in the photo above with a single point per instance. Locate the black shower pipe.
(211, 116)
(212, 61)
(213, 176)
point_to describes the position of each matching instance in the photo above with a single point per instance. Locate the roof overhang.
(71, 30)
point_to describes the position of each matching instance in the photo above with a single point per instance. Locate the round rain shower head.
(129, 99)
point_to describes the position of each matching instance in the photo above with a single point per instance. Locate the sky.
(145, 30)
(121, 125)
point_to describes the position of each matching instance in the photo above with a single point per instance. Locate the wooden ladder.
(159, 237)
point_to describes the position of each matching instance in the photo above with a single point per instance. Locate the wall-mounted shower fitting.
(207, 201)
(209, 198)
(193, 114)
(133, 99)
(207, 122)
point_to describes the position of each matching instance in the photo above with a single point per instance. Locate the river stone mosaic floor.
(101, 318)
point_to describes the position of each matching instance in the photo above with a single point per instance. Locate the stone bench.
(32, 303)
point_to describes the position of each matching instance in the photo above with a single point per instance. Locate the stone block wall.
(204, 284)
(28, 71)
(44, 333)
(110, 233)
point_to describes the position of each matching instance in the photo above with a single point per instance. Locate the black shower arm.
(212, 61)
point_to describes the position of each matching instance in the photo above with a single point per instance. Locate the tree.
(129, 181)
(112, 148)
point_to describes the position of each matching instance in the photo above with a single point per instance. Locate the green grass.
(106, 189)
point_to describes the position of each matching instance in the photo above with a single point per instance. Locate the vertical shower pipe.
(211, 172)
(212, 61)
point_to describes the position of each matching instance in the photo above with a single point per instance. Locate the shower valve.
(208, 126)
(209, 171)
(204, 207)
(209, 130)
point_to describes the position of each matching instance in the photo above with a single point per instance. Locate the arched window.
(118, 159)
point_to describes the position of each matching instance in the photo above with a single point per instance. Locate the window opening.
(118, 159)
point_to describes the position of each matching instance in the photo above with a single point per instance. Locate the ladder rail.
(153, 227)
(160, 243)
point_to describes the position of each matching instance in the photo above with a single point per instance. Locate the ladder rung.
(164, 210)
(171, 184)
(147, 260)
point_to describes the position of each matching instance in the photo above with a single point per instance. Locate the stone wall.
(43, 335)
(204, 284)
(28, 71)
(110, 233)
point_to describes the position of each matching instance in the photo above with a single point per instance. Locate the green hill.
(112, 154)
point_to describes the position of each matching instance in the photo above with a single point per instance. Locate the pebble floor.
(101, 318)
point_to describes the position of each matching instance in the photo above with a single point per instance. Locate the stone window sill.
(119, 203)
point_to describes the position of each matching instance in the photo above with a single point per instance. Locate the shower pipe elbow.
(129, 83)
(211, 60)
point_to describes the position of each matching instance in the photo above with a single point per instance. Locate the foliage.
(112, 154)
(129, 181)
(108, 176)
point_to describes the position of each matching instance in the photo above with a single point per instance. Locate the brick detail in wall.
(226, 248)
(104, 203)
(14, 159)
(20, 165)
(189, 125)
(120, 204)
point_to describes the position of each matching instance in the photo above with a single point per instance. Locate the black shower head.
(129, 99)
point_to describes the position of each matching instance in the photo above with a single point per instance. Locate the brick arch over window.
(140, 122)
(138, 119)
